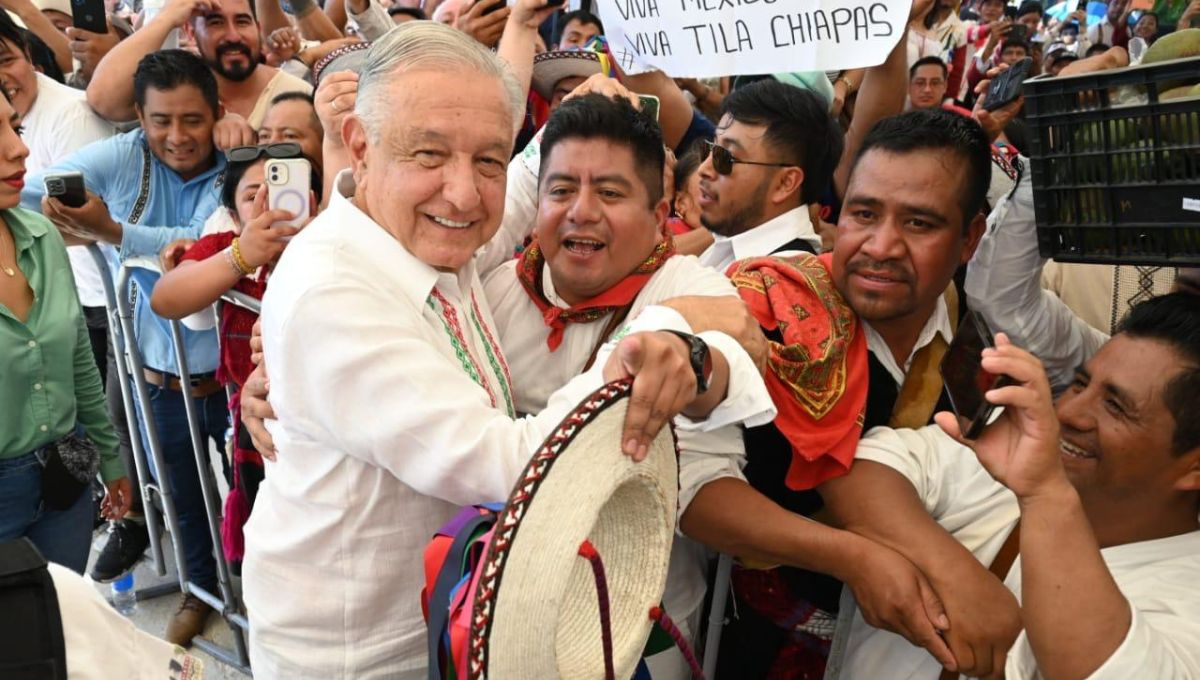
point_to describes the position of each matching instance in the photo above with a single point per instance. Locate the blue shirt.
(174, 208)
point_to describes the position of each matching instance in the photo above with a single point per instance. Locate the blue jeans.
(170, 417)
(63, 536)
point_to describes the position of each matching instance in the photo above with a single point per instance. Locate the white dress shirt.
(1157, 577)
(704, 455)
(937, 324)
(59, 123)
(382, 434)
(1004, 285)
(762, 240)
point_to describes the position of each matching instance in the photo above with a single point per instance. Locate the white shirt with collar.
(1157, 577)
(382, 435)
(58, 124)
(937, 324)
(762, 240)
(704, 455)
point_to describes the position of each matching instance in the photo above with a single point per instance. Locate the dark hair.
(927, 61)
(582, 16)
(1029, 7)
(799, 128)
(686, 166)
(1174, 320)
(43, 58)
(235, 171)
(11, 32)
(1147, 13)
(297, 96)
(168, 69)
(595, 116)
(938, 130)
(414, 12)
(1098, 48)
(1015, 43)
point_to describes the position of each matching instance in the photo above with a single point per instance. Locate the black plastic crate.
(1116, 171)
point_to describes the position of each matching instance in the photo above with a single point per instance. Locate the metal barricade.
(716, 614)
(130, 369)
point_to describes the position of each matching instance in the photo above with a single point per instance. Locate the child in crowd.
(239, 260)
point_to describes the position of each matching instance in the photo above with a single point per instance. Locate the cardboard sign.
(706, 38)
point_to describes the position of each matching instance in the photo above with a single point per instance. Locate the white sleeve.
(373, 22)
(708, 456)
(746, 401)
(1160, 645)
(1004, 285)
(916, 454)
(378, 391)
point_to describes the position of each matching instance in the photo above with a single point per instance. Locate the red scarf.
(818, 376)
(529, 273)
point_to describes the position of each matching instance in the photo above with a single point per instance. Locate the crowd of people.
(495, 226)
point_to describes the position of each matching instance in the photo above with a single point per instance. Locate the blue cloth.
(176, 208)
(174, 436)
(62, 536)
(699, 128)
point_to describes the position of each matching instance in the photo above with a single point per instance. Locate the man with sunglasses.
(775, 150)
(146, 188)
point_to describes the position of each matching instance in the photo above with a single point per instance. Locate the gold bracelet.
(240, 261)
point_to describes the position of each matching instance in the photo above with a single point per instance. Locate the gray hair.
(425, 46)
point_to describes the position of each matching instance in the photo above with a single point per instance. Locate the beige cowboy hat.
(581, 507)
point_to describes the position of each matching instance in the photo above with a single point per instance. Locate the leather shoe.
(188, 621)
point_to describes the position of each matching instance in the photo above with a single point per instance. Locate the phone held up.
(67, 187)
(964, 377)
(89, 15)
(289, 185)
(649, 106)
(1006, 87)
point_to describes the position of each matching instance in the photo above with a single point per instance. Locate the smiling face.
(435, 179)
(1116, 427)
(595, 221)
(178, 124)
(293, 120)
(900, 236)
(17, 77)
(12, 157)
(228, 40)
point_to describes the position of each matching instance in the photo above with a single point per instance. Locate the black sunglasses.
(249, 154)
(723, 161)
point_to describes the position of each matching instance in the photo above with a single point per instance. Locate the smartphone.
(1018, 32)
(649, 105)
(89, 15)
(289, 184)
(963, 375)
(1006, 87)
(67, 187)
(496, 6)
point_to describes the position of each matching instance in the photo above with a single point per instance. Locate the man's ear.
(662, 211)
(1190, 479)
(355, 139)
(974, 233)
(786, 184)
(137, 109)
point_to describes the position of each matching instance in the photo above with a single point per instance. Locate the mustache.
(890, 268)
(228, 48)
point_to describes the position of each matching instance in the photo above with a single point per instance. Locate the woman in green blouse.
(50, 388)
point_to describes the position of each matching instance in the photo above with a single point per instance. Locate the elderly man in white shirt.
(1105, 485)
(407, 410)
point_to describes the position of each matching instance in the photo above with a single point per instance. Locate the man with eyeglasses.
(775, 150)
(146, 188)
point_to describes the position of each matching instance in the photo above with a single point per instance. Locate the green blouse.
(48, 376)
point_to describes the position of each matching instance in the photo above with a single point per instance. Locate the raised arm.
(110, 92)
(39, 25)
(517, 43)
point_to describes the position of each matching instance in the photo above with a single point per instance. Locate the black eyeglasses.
(249, 154)
(723, 161)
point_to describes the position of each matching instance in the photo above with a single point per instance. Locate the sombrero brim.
(551, 67)
(536, 612)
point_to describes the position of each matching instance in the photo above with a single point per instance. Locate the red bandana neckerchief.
(529, 273)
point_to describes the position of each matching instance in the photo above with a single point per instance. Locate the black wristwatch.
(701, 359)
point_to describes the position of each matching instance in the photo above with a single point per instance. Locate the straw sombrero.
(551, 67)
(582, 519)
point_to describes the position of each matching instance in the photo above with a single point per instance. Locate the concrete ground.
(152, 615)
